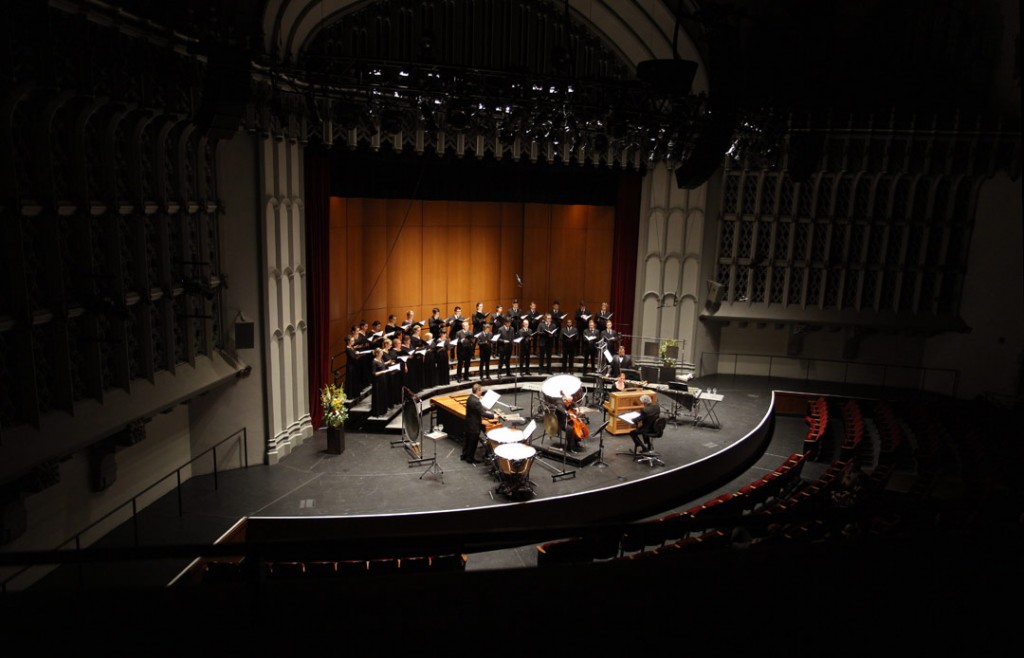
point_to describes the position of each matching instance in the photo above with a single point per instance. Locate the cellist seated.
(575, 429)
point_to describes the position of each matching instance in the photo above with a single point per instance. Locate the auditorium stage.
(373, 477)
(376, 475)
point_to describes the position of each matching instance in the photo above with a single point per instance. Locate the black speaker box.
(245, 335)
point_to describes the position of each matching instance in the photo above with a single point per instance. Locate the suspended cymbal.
(551, 424)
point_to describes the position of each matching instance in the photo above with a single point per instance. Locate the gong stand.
(412, 433)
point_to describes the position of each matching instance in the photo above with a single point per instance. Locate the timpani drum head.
(555, 387)
(504, 435)
(514, 458)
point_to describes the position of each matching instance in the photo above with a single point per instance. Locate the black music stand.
(601, 463)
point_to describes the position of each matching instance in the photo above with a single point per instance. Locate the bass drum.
(555, 387)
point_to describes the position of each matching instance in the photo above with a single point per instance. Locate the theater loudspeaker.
(716, 291)
(670, 76)
(245, 335)
(709, 149)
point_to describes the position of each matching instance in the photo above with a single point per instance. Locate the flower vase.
(336, 440)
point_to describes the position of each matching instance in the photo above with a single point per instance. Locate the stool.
(435, 436)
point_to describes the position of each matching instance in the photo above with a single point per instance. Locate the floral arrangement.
(333, 399)
(666, 360)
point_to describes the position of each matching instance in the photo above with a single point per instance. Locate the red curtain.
(318, 233)
(627, 231)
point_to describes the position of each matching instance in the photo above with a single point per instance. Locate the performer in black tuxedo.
(611, 337)
(533, 317)
(583, 316)
(570, 342)
(505, 337)
(620, 362)
(589, 341)
(498, 319)
(484, 345)
(515, 314)
(558, 318)
(436, 324)
(547, 330)
(603, 316)
(454, 326)
(641, 434)
(524, 334)
(464, 350)
(475, 413)
(479, 318)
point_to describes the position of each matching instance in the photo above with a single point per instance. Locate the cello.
(579, 428)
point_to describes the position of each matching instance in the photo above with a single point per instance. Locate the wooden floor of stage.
(374, 476)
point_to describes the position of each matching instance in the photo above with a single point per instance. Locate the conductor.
(641, 434)
(475, 413)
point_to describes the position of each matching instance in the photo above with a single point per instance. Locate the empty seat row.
(226, 571)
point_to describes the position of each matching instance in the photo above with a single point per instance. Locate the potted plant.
(667, 353)
(333, 399)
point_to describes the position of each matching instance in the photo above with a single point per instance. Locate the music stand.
(600, 463)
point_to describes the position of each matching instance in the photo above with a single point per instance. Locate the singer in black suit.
(479, 318)
(505, 337)
(475, 413)
(570, 341)
(589, 341)
(620, 362)
(484, 344)
(464, 350)
(524, 347)
(547, 332)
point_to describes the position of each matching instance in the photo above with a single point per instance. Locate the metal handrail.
(808, 363)
(77, 538)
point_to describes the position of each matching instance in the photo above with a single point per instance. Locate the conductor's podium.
(620, 402)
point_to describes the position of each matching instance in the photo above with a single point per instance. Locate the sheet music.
(630, 417)
(585, 317)
(591, 337)
(528, 430)
(489, 398)
(477, 335)
(608, 355)
(364, 352)
(394, 367)
(403, 359)
(495, 338)
(420, 352)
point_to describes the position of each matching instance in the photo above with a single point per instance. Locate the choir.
(416, 355)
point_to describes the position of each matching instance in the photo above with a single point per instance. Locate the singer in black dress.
(379, 403)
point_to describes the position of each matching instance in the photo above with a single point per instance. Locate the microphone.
(519, 281)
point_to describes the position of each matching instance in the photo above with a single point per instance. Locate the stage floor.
(373, 476)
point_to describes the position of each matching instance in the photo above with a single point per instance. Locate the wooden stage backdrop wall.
(392, 255)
